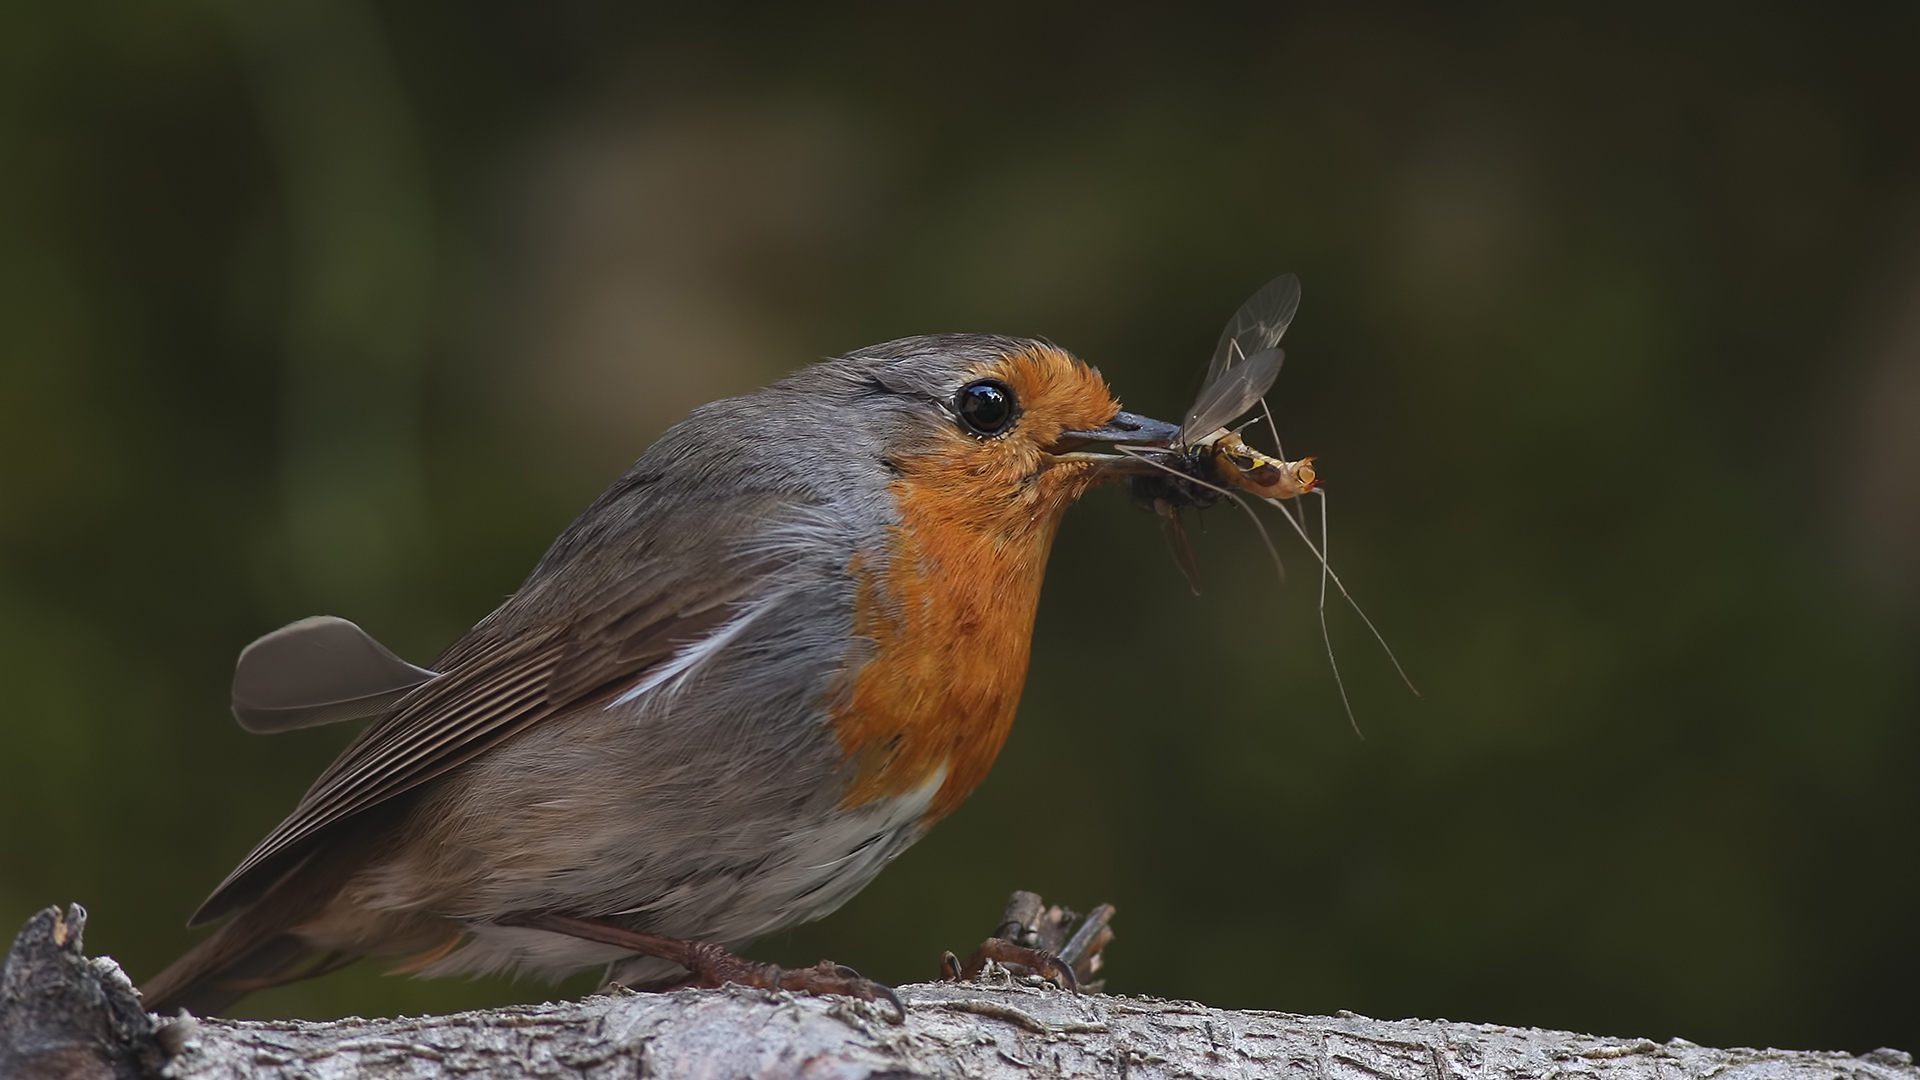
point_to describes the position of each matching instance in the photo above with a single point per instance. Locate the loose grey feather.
(319, 670)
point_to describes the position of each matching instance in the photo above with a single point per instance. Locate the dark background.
(1610, 352)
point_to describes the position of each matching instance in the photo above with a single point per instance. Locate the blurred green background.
(1610, 352)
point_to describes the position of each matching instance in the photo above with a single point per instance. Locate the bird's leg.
(1032, 939)
(713, 966)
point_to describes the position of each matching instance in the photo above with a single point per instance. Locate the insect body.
(1268, 477)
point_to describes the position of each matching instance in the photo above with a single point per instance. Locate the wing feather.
(497, 692)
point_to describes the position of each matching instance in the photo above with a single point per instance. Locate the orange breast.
(950, 613)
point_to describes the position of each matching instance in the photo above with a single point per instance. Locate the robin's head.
(1001, 425)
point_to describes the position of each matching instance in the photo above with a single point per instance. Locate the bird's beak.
(1125, 430)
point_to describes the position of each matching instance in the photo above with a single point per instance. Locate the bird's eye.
(986, 407)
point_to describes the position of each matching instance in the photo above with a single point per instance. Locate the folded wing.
(505, 676)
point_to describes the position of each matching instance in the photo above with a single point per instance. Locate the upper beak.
(1125, 429)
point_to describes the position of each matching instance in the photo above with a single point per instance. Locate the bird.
(770, 657)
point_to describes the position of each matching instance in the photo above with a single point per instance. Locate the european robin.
(770, 657)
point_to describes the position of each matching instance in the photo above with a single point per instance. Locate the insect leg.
(1279, 448)
(1338, 584)
(1326, 636)
(1264, 538)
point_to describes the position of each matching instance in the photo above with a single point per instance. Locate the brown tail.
(256, 948)
(208, 979)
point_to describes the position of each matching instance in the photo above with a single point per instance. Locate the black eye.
(986, 407)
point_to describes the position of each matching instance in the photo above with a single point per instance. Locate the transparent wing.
(1256, 327)
(1226, 398)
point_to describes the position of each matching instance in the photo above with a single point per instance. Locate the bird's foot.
(713, 966)
(1033, 939)
(1018, 959)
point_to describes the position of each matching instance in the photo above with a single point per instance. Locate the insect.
(1209, 461)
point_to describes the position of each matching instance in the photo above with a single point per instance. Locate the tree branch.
(63, 1015)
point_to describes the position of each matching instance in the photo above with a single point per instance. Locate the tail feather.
(213, 975)
(259, 947)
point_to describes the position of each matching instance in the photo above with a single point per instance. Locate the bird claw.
(1032, 939)
(839, 980)
(1019, 959)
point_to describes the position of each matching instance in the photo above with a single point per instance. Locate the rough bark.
(65, 1016)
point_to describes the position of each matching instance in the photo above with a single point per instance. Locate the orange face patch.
(950, 612)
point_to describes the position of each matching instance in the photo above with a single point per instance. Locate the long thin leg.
(1326, 572)
(1279, 448)
(1338, 584)
(1326, 636)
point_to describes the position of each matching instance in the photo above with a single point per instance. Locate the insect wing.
(1257, 326)
(1226, 398)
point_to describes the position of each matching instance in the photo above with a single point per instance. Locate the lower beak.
(1123, 432)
